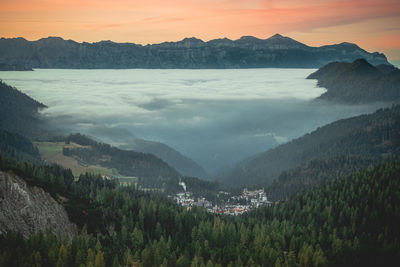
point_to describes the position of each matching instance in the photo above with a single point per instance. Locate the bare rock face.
(30, 209)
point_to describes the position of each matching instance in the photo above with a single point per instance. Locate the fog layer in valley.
(215, 117)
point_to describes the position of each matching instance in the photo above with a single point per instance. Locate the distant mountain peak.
(14, 38)
(347, 43)
(52, 38)
(248, 39)
(278, 41)
(105, 42)
(277, 35)
(192, 39)
(350, 45)
(364, 68)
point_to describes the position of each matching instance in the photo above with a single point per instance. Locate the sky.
(372, 24)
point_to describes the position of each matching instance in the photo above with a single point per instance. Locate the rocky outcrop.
(246, 52)
(28, 210)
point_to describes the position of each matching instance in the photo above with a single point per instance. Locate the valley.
(309, 180)
(200, 122)
(199, 133)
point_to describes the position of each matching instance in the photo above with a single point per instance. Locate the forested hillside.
(151, 171)
(18, 147)
(373, 137)
(19, 113)
(358, 82)
(352, 221)
(175, 159)
(314, 173)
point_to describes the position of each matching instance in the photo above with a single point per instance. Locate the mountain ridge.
(245, 52)
(358, 82)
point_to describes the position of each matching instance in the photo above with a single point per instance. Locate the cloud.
(201, 113)
(278, 139)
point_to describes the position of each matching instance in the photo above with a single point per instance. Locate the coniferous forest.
(351, 221)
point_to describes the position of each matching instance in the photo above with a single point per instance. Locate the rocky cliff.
(246, 52)
(30, 209)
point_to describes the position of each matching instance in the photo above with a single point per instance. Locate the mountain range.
(246, 52)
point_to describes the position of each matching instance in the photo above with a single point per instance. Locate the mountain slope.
(124, 139)
(17, 147)
(315, 173)
(181, 163)
(374, 137)
(345, 218)
(358, 82)
(149, 169)
(246, 52)
(19, 113)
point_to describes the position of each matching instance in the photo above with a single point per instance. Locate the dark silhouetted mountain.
(373, 137)
(181, 163)
(358, 82)
(246, 52)
(19, 113)
(386, 69)
(19, 148)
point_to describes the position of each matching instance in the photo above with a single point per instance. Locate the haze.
(215, 117)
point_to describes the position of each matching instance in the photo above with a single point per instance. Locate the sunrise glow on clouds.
(372, 24)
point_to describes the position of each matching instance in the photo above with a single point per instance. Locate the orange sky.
(372, 24)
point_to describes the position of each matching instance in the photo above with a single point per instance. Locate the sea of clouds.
(215, 117)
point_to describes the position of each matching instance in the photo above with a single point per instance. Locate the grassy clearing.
(51, 152)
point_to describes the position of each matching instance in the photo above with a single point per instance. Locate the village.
(235, 205)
